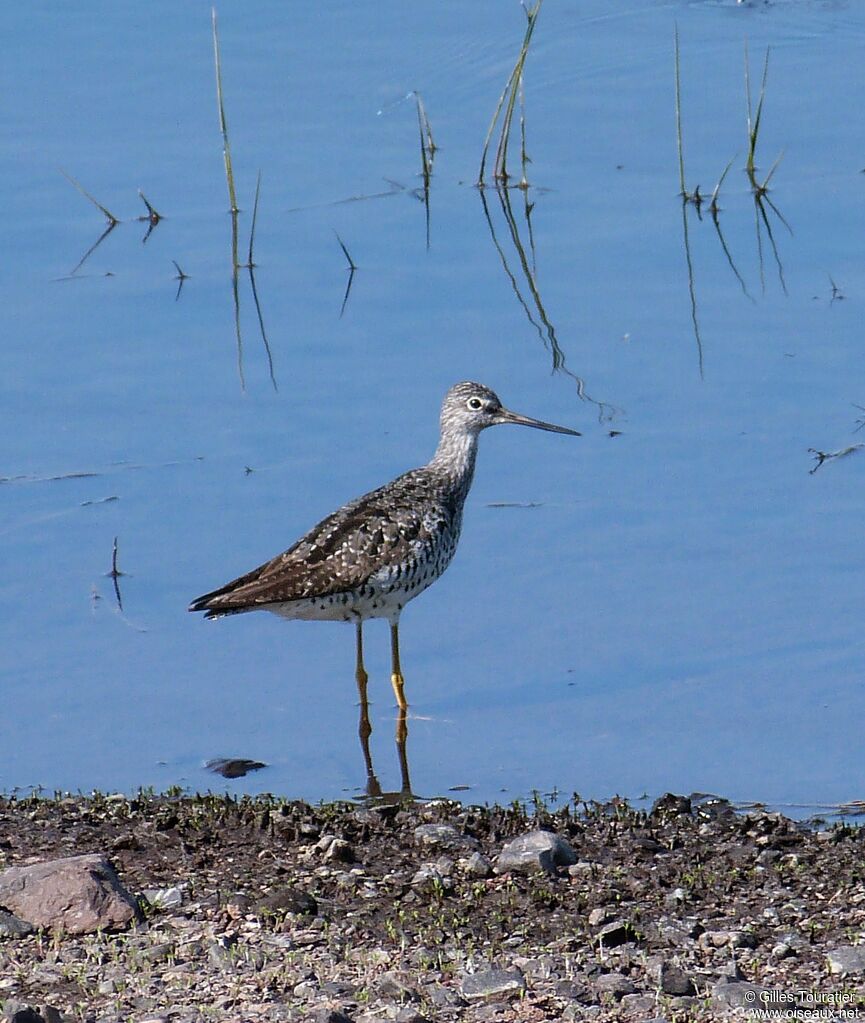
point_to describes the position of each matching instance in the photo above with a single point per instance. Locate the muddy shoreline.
(263, 909)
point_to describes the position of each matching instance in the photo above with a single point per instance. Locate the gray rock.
(286, 900)
(409, 1015)
(738, 994)
(429, 872)
(574, 991)
(13, 927)
(493, 985)
(478, 865)
(600, 915)
(75, 895)
(397, 986)
(536, 850)
(613, 986)
(222, 957)
(733, 939)
(158, 953)
(444, 836)
(846, 959)
(633, 1004)
(444, 997)
(339, 851)
(165, 898)
(615, 933)
(674, 981)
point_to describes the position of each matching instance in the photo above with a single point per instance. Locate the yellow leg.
(396, 679)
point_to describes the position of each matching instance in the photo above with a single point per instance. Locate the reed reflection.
(524, 284)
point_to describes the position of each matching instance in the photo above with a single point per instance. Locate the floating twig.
(828, 456)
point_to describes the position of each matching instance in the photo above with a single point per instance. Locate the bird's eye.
(474, 404)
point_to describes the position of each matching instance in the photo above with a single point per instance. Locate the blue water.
(677, 606)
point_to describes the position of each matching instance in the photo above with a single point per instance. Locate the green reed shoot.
(507, 102)
(525, 160)
(223, 124)
(755, 116)
(682, 190)
(427, 144)
(109, 216)
(713, 205)
(153, 215)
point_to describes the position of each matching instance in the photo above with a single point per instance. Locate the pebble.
(600, 915)
(397, 985)
(165, 898)
(287, 900)
(12, 926)
(478, 865)
(493, 985)
(734, 939)
(615, 933)
(674, 981)
(407, 1014)
(637, 1004)
(846, 959)
(339, 851)
(536, 850)
(737, 994)
(444, 836)
(613, 985)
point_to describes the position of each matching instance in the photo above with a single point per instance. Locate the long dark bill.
(506, 416)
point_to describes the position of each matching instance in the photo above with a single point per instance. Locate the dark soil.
(287, 911)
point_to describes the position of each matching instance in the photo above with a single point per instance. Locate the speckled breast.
(385, 593)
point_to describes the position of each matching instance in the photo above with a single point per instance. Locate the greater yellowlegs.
(375, 554)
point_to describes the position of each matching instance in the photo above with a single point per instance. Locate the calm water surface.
(676, 606)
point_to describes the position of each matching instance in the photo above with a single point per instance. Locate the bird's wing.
(386, 527)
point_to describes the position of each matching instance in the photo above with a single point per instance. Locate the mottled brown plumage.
(373, 555)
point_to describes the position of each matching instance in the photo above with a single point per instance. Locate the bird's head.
(469, 408)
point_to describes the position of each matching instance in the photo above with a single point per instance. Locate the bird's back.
(396, 539)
